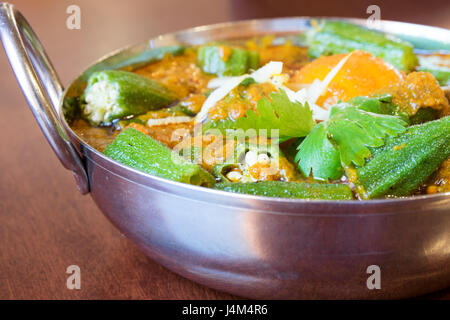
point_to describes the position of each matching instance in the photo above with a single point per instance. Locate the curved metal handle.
(40, 85)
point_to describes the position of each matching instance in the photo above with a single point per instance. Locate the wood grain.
(45, 224)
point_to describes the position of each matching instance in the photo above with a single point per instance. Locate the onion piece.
(168, 120)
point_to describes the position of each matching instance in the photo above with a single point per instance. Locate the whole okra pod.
(334, 37)
(292, 190)
(404, 162)
(137, 150)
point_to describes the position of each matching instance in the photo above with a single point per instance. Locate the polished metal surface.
(40, 86)
(264, 247)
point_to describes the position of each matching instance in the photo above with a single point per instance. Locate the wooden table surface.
(45, 224)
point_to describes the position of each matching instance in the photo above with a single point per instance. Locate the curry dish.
(340, 113)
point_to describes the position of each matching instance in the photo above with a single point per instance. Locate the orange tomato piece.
(361, 75)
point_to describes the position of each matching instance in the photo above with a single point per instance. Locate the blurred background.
(46, 224)
(110, 24)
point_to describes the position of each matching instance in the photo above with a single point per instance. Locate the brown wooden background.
(45, 224)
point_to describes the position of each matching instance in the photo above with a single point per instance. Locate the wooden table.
(45, 224)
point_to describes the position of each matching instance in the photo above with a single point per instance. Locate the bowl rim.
(236, 200)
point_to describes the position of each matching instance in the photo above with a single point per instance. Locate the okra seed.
(234, 176)
(263, 158)
(251, 158)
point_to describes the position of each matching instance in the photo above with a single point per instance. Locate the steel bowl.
(250, 246)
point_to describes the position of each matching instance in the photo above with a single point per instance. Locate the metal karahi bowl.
(251, 246)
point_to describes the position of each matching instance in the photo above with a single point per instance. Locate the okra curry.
(341, 112)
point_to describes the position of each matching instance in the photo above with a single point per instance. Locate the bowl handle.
(41, 87)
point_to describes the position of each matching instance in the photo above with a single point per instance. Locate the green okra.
(334, 37)
(173, 111)
(220, 170)
(237, 63)
(405, 162)
(293, 190)
(382, 104)
(71, 108)
(424, 115)
(137, 150)
(179, 109)
(114, 94)
(438, 65)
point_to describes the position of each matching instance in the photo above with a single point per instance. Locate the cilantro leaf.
(292, 119)
(349, 132)
(247, 81)
(378, 104)
(354, 130)
(221, 125)
(323, 161)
